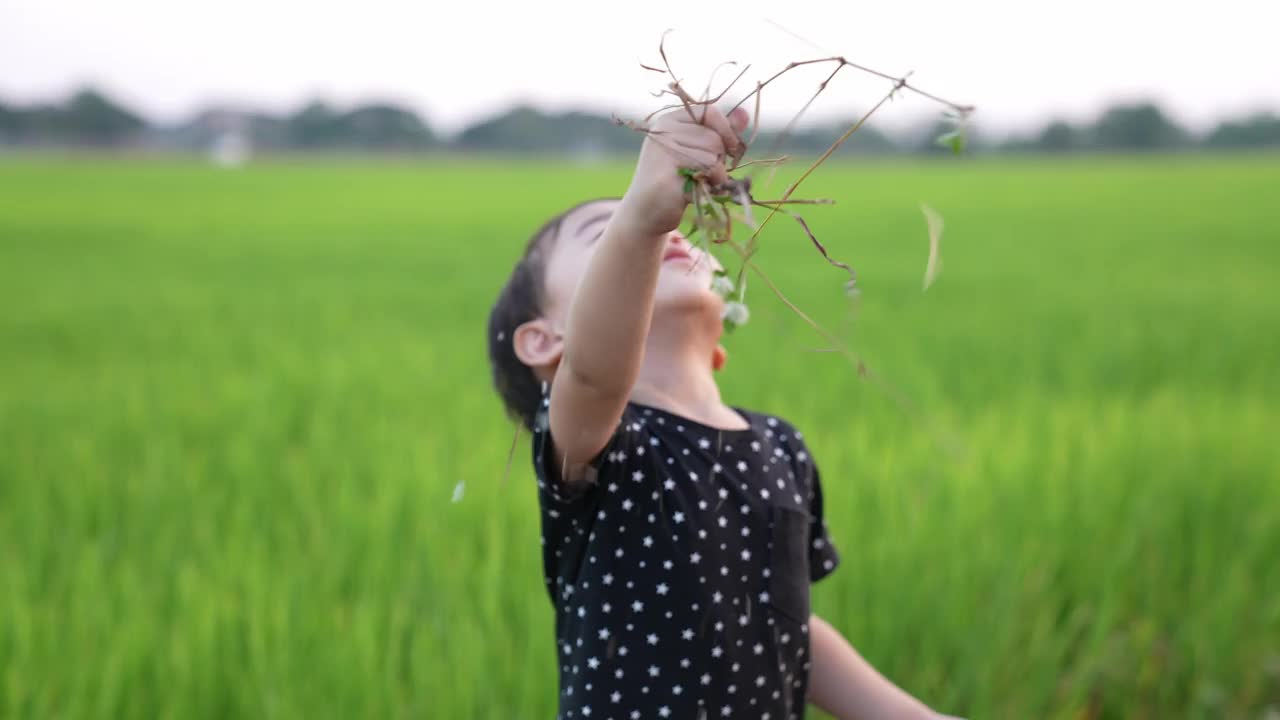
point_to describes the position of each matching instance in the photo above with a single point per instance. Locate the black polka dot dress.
(680, 575)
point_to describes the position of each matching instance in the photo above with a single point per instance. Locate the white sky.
(1019, 61)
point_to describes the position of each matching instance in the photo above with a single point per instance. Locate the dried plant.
(715, 208)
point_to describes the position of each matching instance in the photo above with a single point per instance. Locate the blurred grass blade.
(934, 265)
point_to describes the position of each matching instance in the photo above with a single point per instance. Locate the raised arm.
(608, 319)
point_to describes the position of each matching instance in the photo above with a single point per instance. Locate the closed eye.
(585, 228)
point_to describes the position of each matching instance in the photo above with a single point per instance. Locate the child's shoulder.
(774, 421)
(772, 424)
(638, 417)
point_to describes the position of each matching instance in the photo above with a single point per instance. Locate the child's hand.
(656, 200)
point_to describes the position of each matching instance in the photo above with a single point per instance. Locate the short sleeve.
(823, 556)
(544, 459)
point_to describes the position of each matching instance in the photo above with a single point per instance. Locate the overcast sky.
(1018, 61)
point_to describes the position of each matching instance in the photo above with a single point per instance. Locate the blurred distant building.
(231, 149)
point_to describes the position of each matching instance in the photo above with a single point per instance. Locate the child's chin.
(693, 299)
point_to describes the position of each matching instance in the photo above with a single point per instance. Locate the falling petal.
(744, 199)
(934, 266)
(458, 490)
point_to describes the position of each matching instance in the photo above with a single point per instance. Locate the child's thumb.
(738, 120)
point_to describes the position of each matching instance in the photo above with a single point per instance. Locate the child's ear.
(537, 344)
(719, 357)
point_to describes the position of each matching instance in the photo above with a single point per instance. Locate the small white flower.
(735, 314)
(720, 285)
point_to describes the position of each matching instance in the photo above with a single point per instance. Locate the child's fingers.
(698, 146)
(716, 172)
(710, 163)
(728, 135)
(694, 158)
(697, 137)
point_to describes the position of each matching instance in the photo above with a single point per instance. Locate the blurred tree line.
(91, 119)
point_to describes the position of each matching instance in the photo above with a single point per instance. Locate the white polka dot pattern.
(680, 575)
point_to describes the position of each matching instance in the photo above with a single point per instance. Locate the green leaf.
(688, 185)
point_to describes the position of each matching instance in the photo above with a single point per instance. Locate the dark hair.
(521, 300)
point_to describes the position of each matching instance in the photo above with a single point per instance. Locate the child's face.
(684, 281)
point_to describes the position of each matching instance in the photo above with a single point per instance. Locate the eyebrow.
(602, 216)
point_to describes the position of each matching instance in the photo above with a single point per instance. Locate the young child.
(679, 534)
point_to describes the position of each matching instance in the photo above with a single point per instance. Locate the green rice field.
(235, 406)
